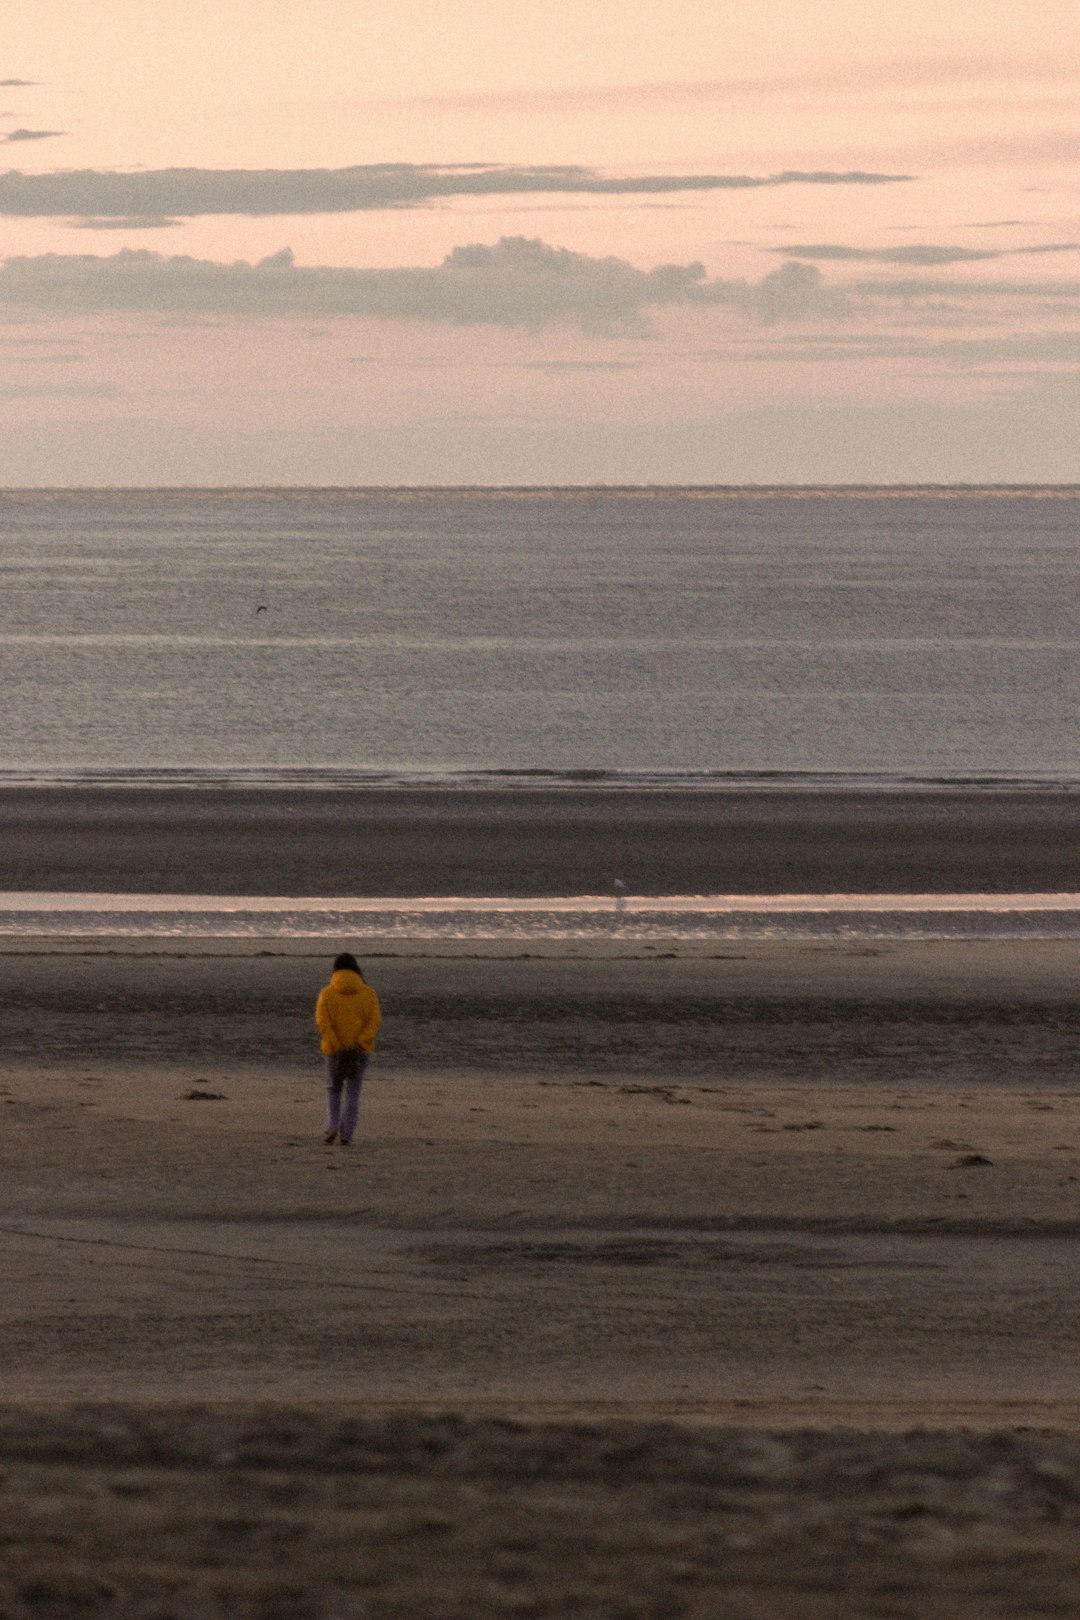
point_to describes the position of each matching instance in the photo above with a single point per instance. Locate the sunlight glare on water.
(628, 917)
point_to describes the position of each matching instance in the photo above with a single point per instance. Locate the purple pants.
(344, 1071)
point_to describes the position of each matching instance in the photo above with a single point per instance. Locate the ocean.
(632, 635)
(802, 639)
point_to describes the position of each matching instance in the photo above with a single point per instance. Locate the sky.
(552, 242)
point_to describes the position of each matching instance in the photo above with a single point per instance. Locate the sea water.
(637, 637)
(641, 635)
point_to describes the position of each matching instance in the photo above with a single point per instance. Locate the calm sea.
(281, 633)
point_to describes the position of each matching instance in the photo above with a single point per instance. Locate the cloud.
(397, 363)
(140, 222)
(914, 289)
(516, 282)
(36, 341)
(1034, 349)
(30, 135)
(792, 292)
(1028, 354)
(1017, 75)
(926, 254)
(574, 365)
(189, 193)
(65, 357)
(73, 390)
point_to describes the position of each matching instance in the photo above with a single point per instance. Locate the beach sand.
(685, 1239)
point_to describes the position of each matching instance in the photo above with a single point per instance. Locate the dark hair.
(345, 960)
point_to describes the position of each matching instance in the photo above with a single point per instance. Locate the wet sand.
(819, 1188)
(543, 841)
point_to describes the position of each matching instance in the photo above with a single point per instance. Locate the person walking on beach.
(348, 1015)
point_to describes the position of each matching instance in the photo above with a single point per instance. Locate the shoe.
(345, 1141)
(329, 1137)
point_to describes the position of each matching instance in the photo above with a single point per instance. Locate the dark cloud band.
(17, 135)
(924, 255)
(514, 283)
(174, 193)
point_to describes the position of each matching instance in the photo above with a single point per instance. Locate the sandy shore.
(782, 1187)
(257, 1515)
(746, 1185)
(538, 842)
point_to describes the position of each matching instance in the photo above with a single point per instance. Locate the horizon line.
(897, 486)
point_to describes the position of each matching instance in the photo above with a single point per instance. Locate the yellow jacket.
(347, 1013)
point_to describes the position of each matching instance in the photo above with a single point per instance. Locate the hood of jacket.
(345, 982)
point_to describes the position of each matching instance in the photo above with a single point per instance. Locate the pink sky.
(848, 326)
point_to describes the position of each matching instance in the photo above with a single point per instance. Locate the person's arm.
(372, 1022)
(325, 1022)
